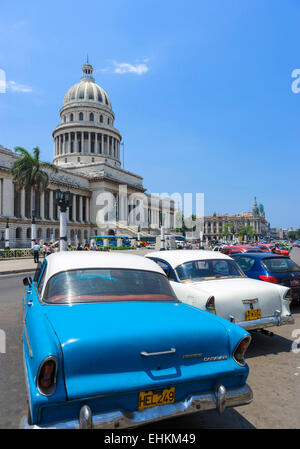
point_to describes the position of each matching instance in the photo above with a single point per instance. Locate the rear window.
(280, 265)
(107, 285)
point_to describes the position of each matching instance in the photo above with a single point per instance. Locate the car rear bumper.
(212, 400)
(266, 322)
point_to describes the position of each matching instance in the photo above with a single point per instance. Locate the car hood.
(102, 343)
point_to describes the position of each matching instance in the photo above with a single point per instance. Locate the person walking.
(36, 250)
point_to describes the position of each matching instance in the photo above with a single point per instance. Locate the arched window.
(71, 117)
(28, 233)
(101, 118)
(91, 117)
(18, 233)
(108, 121)
(48, 233)
(80, 115)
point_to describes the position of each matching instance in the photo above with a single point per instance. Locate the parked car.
(236, 249)
(280, 249)
(108, 345)
(271, 268)
(214, 282)
(265, 247)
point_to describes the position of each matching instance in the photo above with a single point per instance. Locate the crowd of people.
(49, 248)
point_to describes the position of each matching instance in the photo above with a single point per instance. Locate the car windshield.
(280, 265)
(203, 270)
(107, 285)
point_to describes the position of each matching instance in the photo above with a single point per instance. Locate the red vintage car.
(280, 249)
(240, 249)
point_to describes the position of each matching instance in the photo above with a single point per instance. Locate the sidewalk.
(25, 265)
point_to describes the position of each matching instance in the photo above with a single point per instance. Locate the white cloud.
(16, 87)
(125, 67)
(122, 68)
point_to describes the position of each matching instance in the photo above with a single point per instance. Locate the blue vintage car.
(108, 345)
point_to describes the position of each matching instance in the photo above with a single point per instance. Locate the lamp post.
(63, 200)
(7, 234)
(33, 228)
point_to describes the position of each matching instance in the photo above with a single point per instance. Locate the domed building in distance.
(104, 196)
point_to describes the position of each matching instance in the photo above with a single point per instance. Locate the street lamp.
(33, 228)
(63, 200)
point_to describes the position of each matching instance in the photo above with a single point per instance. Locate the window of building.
(78, 159)
(101, 118)
(66, 160)
(93, 159)
(18, 233)
(80, 116)
(91, 117)
(71, 117)
(108, 121)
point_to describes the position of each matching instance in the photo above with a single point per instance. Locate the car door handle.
(150, 354)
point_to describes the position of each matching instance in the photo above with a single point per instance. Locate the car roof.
(177, 257)
(72, 260)
(262, 255)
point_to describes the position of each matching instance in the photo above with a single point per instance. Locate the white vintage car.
(214, 282)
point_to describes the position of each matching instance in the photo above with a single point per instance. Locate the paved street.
(274, 375)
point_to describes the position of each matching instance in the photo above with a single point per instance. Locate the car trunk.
(102, 345)
(234, 297)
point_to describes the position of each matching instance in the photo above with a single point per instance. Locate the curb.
(30, 270)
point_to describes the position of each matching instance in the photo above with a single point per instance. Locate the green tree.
(227, 229)
(29, 171)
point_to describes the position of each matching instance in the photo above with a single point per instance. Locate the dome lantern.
(87, 71)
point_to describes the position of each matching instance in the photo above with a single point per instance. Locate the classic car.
(271, 268)
(214, 282)
(108, 345)
(239, 249)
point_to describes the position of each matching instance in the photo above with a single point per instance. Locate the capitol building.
(104, 196)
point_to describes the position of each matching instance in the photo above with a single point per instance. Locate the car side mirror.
(26, 281)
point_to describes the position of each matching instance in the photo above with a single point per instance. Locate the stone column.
(22, 202)
(87, 206)
(69, 143)
(102, 144)
(64, 143)
(96, 143)
(90, 143)
(82, 142)
(80, 208)
(42, 205)
(75, 142)
(51, 204)
(74, 208)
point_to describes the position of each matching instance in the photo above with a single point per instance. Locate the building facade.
(217, 227)
(104, 196)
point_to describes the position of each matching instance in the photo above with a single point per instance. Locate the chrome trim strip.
(150, 354)
(27, 340)
(210, 400)
(266, 322)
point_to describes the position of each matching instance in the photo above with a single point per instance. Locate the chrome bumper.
(212, 400)
(276, 320)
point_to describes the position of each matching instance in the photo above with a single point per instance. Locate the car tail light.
(239, 352)
(268, 278)
(289, 295)
(46, 379)
(210, 305)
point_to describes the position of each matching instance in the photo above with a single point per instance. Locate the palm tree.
(29, 171)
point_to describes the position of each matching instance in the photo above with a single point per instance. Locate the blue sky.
(201, 91)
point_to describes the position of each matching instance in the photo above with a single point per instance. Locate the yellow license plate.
(153, 398)
(253, 314)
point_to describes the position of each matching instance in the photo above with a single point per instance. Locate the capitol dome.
(87, 91)
(86, 135)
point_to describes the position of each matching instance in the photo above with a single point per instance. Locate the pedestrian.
(45, 250)
(36, 250)
(79, 247)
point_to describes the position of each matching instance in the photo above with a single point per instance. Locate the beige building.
(104, 196)
(216, 226)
